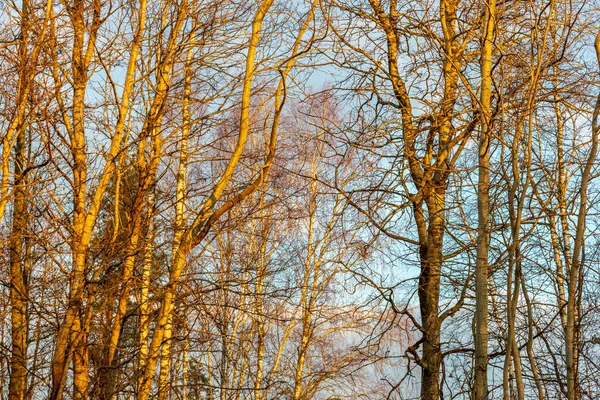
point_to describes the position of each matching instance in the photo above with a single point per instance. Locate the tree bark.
(483, 207)
(573, 288)
(19, 273)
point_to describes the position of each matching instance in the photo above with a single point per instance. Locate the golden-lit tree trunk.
(163, 383)
(72, 332)
(19, 272)
(15, 138)
(165, 361)
(483, 206)
(179, 212)
(80, 358)
(144, 297)
(18, 264)
(185, 368)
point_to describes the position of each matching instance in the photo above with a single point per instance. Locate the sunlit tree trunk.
(19, 272)
(165, 361)
(144, 297)
(483, 206)
(15, 138)
(72, 332)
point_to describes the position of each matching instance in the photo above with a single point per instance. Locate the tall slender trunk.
(512, 361)
(530, 336)
(259, 310)
(71, 335)
(311, 270)
(429, 292)
(180, 196)
(483, 207)
(165, 361)
(71, 324)
(80, 358)
(573, 287)
(144, 296)
(19, 273)
(185, 367)
(16, 135)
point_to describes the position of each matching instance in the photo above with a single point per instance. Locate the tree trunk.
(573, 288)
(483, 207)
(429, 295)
(19, 273)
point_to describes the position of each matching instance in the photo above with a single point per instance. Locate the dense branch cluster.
(312, 199)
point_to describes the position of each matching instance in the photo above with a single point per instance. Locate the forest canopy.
(308, 199)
